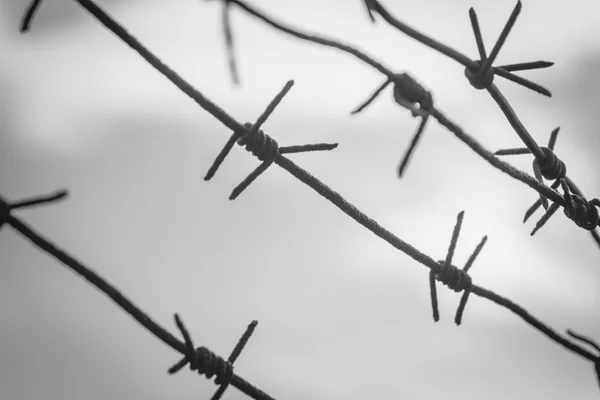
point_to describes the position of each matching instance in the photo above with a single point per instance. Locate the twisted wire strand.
(551, 167)
(234, 355)
(202, 360)
(504, 71)
(6, 208)
(31, 10)
(472, 65)
(442, 119)
(301, 175)
(448, 274)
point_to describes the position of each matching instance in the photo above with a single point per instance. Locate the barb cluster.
(261, 145)
(408, 94)
(208, 363)
(411, 95)
(581, 211)
(480, 73)
(456, 279)
(481, 76)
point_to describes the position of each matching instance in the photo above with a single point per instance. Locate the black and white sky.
(342, 314)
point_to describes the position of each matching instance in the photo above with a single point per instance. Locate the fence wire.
(407, 93)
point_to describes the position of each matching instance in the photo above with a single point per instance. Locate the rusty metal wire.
(480, 73)
(111, 291)
(201, 359)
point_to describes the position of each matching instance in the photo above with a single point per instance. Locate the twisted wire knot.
(584, 213)
(261, 145)
(551, 166)
(407, 88)
(209, 364)
(480, 78)
(453, 277)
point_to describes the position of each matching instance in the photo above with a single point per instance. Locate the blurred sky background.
(342, 314)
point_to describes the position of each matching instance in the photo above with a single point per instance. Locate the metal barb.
(549, 167)
(503, 35)
(456, 279)
(375, 94)
(299, 173)
(26, 22)
(202, 360)
(228, 35)
(369, 6)
(477, 33)
(412, 147)
(482, 75)
(6, 207)
(235, 354)
(454, 239)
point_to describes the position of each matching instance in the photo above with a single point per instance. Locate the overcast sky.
(342, 314)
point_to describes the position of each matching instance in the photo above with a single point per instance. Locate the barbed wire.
(409, 94)
(266, 149)
(201, 359)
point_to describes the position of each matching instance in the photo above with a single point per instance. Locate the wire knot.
(584, 213)
(453, 277)
(406, 88)
(551, 166)
(261, 145)
(206, 362)
(480, 78)
(209, 364)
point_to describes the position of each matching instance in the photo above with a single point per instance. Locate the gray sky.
(342, 315)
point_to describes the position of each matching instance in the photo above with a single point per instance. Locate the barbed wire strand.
(438, 115)
(374, 5)
(293, 169)
(103, 285)
(477, 67)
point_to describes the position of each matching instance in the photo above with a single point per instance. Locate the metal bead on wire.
(480, 78)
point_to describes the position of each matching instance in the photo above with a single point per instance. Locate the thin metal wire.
(300, 174)
(472, 66)
(456, 279)
(375, 6)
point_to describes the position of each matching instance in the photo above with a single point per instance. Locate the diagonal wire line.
(444, 121)
(502, 102)
(296, 171)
